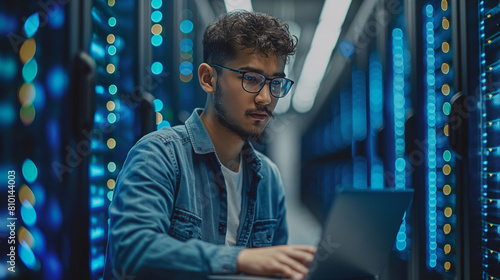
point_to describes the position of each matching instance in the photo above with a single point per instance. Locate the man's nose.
(264, 95)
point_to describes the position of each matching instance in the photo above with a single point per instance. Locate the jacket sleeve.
(281, 236)
(140, 218)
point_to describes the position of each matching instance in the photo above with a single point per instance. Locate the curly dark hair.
(240, 30)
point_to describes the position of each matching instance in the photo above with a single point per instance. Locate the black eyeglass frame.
(262, 84)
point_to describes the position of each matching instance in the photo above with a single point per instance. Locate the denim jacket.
(169, 210)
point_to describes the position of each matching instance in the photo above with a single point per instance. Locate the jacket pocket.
(263, 232)
(184, 225)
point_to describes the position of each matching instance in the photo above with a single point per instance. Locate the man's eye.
(250, 79)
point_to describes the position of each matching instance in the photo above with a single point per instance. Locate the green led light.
(112, 21)
(447, 155)
(446, 108)
(112, 89)
(112, 166)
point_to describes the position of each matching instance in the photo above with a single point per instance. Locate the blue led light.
(9, 66)
(119, 43)
(8, 23)
(158, 105)
(98, 117)
(52, 267)
(96, 202)
(156, 40)
(30, 70)
(7, 114)
(97, 50)
(156, 4)
(30, 172)
(186, 45)
(28, 213)
(346, 48)
(40, 245)
(53, 134)
(157, 68)
(376, 92)
(39, 193)
(377, 176)
(57, 81)
(186, 68)
(95, 15)
(186, 26)
(163, 124)
(55, 216)
(26, 254)
(96, 233)
(99, 89)
(401, 236)
(400, 164)
(31, 25)
(401, 245)
(56, 17)
(156, 16)
(96, 171)
(97, 263)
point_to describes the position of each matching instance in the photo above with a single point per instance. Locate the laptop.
(358, 235)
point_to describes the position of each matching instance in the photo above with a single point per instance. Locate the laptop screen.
(359, 233)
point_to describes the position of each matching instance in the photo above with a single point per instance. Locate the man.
(197, 199)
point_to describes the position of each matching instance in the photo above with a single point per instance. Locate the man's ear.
(207, 77)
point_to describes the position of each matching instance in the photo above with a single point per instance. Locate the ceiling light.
(317, 59)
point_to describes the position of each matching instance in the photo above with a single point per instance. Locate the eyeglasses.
(253, 82)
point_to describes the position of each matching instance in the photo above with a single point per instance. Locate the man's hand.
(290, 261)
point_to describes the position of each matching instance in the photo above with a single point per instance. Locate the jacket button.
(190, 234)
(268, 237)
(222, 226)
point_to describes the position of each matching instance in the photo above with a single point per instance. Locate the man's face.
(243, 113)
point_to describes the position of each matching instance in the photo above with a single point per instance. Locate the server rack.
(437, 80)
(490, 123)
(156, 88)
(115, 121)
(35, 83)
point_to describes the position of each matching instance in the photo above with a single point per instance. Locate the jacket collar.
(198, 134)
(202, 144)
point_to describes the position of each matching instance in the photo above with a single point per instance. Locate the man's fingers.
(288, 260)
(305, 257)
(293, 264)
(288, 272)
(305, 248)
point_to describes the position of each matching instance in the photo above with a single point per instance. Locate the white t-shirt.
(234, 184)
